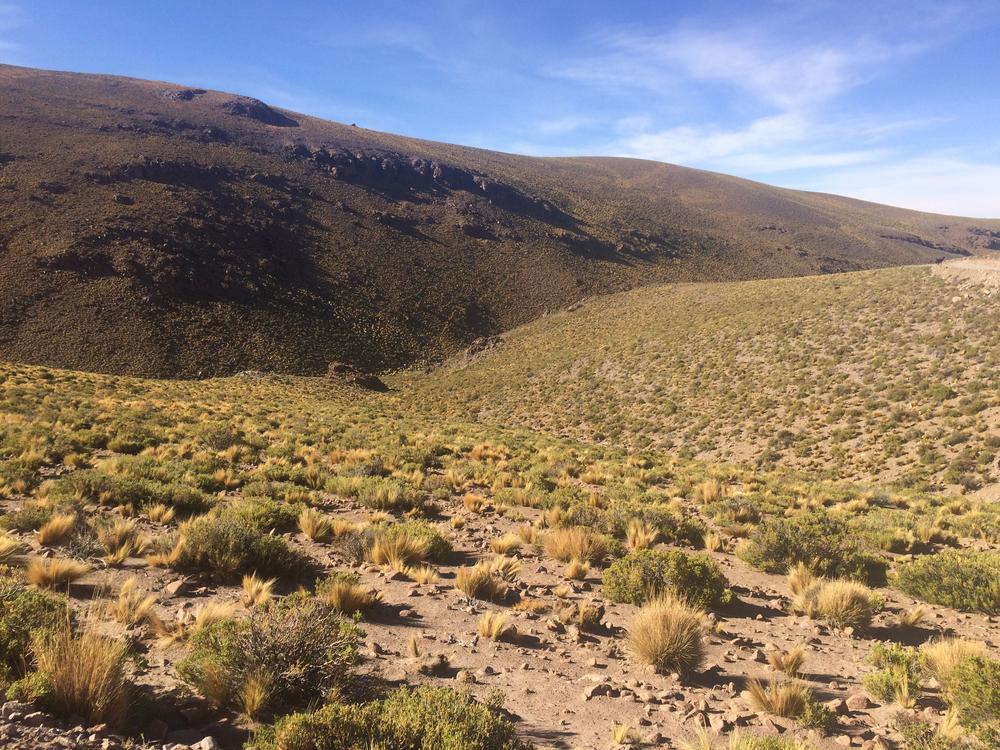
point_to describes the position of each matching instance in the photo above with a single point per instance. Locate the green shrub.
(298, 648)
(975, 693)
(822, 542)
(438, 547)
(641, 575)
(229, 545)
(422, 718)
(815, 715)
(263, 514)
(896, 674)
(24, 612)
(379, 493)
(962, 579)
(30, 517)
(919, 734)
(674, 527)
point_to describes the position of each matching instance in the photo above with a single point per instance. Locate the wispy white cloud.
(949, 183)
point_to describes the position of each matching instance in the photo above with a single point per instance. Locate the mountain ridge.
(156, 229)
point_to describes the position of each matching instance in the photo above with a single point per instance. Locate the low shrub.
(822, 542)
(645, 574)
(896, 674)
(24, 611)
(962, 579)
(422, 718)
(673, 526)
(975, 692)
(298, 649)
(228, 545)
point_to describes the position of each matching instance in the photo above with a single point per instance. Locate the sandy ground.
(983, 270)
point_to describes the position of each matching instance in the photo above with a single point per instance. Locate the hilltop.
(153, 229)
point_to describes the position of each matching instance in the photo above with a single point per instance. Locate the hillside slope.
(151, 229)
(883, 376)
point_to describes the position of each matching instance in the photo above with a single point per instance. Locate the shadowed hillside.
(151, 229)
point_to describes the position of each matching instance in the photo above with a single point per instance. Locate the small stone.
(858, 702)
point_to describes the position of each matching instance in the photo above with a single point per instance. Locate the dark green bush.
(975, 692)
(24, 611)
(962, 579)
(827, 545)
(640, 575)
(299, 647)
(423, 718)
(229, 545)
(262, 514)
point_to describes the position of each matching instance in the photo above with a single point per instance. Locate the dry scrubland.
(271, 559)
(886, 376)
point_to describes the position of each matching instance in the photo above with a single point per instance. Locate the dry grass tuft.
(576, 542)
(121, 540)
(257, 591)
(790, 662)
(577, 569)
(496, 626)
(166, 559)
(842, 604)
(57, 530)
(506, 544)
(667, 634)
(399, 551)
(348, 597)
(86, 675)
(131, 607)
(787, 699)
(160, 513)
(640, 535)
(315, 525)
(481, 581)
(800, 578)
(9, 546)
(944, 655)
(56, 572)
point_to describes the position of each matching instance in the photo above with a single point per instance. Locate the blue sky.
(897, 102)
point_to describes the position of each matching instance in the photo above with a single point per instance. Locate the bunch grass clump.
(667, 634)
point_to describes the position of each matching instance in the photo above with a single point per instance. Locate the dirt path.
(981, 269)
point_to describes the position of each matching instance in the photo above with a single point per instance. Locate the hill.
(152, 229)
(879, 376)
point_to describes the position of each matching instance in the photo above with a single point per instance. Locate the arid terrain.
(611, 453)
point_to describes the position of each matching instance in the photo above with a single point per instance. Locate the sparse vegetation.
(646, 574)
(965, 580)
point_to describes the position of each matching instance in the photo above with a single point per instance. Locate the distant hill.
(152, 229)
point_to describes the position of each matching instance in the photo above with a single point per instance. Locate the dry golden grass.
(790, 662)
(577, 569)
(562, 591)
(577, 542)
(785, 698)
(800, 578)
(399, 551)
(942, 656)
(422, 574)
(480, 581)
(166, 559)
(340, 527)
(911, 618)
(57, 530)
(640, 534)
(348, 598)
(842, 604)
(585, 615)
(315, 525)
(623, 734)
(210, 613)
(9, 546)
(506, 544)
(131, 607)
(667, 634)
(528, 533)
(160, 513)
(121, 540)
(86, 675)
(57, 572)
(495, 626)
(254, 694)
(257, 591)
